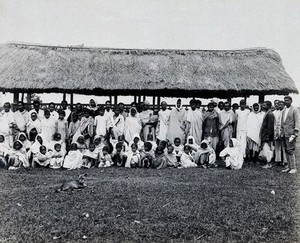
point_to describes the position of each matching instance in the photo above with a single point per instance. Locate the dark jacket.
(291, 124)
(267, 127)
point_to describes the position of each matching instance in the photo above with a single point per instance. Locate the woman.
(176, 123)
(232, 155)
(133, 125)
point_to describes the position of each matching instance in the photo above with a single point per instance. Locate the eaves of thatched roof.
(104, 71)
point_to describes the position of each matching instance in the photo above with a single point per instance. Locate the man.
(163, 122)
(194, 120)
(145, 118)
(64, 106)
(225, 124)
(21, 117)
(53, 113)
(241, 127)
(37, 109)
(122, 110)
(290, 125)
(278, 144)
(267, 130)
(7, 123)
(210, 126)
(108, 112)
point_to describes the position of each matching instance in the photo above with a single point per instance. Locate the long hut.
(143, 72)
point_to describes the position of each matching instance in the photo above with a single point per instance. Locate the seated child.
(205, 156)
(17, 156)
(89, 158)
(193, 145)
(171, 157)
(178, 148)
(57, 139)
(35, 147)
(163, 144)
(32, 135)
(138, 142)
(160, 160)
(121, 140)
(42, 158)
(4, 150)
(73, 127)
(133, 157)
(187, 159)
(147, 156)
(150, 139)
(57, 157)
(73, 160)
(105, 158)
(23, 138)
(232, 155)
(119, 156)
(81, 144)
(98, 144)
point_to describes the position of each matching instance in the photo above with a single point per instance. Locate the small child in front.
(17, 156)
(57, 157)
(105, 158)
(134, 157)
(42, 158)
(89, 158)
(187, 159)
(73, 160)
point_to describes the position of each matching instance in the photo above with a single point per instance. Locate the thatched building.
(169, 73)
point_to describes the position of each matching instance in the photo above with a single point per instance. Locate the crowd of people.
(137, 136)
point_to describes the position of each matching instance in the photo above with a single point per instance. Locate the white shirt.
(101, 125)
(286, 113)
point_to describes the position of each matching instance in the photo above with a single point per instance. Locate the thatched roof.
(103, 71)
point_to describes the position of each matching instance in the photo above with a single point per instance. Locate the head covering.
(146, 102)
(35, 147)
(93, 108)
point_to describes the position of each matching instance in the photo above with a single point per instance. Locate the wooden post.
(144, 97)
(153, 101)
(64, 97)
(28, 98)
(158, 101)
(134, 99)
(261, 99)
(229, 99)
(71, 99)
(16, 97)
(110, 99)
(116, 99)
(139, 99)
(22, 99)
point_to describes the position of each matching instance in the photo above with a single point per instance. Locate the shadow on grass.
(144, 205)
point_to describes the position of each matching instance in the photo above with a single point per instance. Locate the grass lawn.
(145, 205)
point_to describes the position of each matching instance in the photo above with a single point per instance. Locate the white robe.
(241, 129)
(195, 119)
(132, 127)
(48, 128)
(73, 160)
(176, 125)
(163, 124)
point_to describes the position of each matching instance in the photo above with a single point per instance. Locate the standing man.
(225, 124)
(241, 128)
(145, 116)
(290, 125)
(267, 130)
(194, 121)
(163, 122)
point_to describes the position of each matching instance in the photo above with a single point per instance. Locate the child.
(4, 150)
(133, 158)
(193, 145)
(57, 139)
(23, 138)
(98, 144)
(160, 160)
(73, 160)
(150, 139)
(119, 156)
(178, 148)
(42, 158)
(61, 125)
(86, 127)
(138, 142)
(187, 159)
(32, 135)
(121, 140)
(73, 127)
(81, 144)
(232, 155)
(35, 147)
(89, 158)
(57, 157)
(206, 155)
(147, 156)
(105, 158)
(171, 157)
(17, 157)
(163, 144)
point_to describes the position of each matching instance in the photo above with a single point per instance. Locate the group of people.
(137, 136)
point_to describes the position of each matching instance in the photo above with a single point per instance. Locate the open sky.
(172, 24)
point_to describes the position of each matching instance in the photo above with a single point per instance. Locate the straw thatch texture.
(145, 72)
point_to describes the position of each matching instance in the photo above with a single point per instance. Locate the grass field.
(145, 205)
